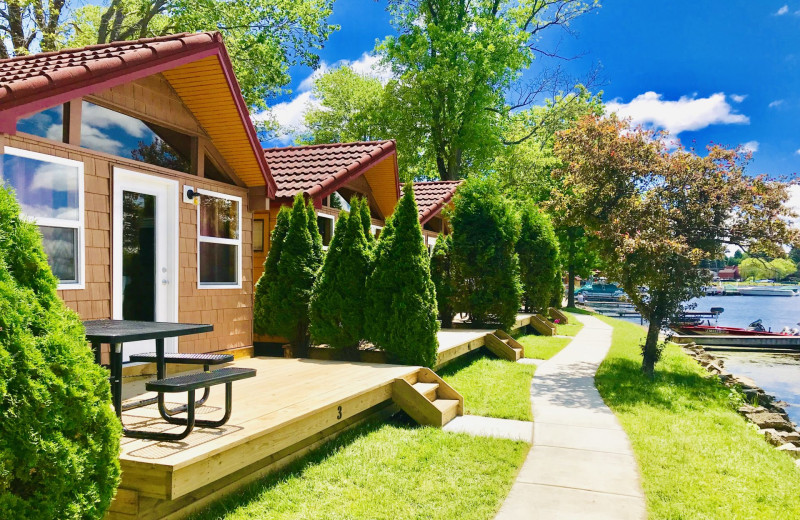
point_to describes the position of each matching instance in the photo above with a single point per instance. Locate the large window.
(325, 223)
(48, 123)
(50, 192)
(219, 240)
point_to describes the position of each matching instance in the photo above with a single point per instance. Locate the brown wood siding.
(229, 310)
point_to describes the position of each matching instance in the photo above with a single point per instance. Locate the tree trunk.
(571, 283)
(650, 351)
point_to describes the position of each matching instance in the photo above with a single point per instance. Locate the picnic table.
(118, 332)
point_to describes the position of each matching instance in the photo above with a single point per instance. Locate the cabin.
(138, 160)
(730, 273)
(432, 197)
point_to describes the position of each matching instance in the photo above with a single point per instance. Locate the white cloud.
(308, 83)
(776, 103)
(94, 139)
(738, 98)
(687, 113)
(99, 117)
(370, 65)
(797, 152)
(782, 11)
(750, 146)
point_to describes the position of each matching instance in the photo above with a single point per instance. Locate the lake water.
(777, 374)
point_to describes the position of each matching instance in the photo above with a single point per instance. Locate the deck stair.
(427, 399)
(542, 326)
(557, 314)
(504, 346)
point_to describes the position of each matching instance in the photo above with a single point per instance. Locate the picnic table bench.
(117, 332)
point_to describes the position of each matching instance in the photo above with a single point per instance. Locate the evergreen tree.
(401, 298)
(297, 270)
(266, 297)
(444, 279)
(316, 238)
(537, 248)
(59, 436)
(485, 232)
(337, 307)
(366, 221)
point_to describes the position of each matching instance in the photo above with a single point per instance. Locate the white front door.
(145, 253)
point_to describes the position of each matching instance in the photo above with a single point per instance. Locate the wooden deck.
(290, 407)
(454, 343)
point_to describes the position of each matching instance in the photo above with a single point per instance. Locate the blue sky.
(721, 71)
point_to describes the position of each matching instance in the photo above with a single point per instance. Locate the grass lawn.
(569, 329)
(491, 387)
(699, 459)
(385, 471)
(542, 347)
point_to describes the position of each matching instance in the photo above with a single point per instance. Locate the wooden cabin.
(138, 161)
(432, 197)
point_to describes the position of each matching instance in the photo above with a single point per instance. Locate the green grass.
(699, 459)
(542, 347)
(576, 310)
(491, 387)
(569, 329)
(384, 471)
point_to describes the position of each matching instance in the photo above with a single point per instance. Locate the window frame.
(263, 222)
(373, 228)
(226, 241)
(333, 226)
(79, 224)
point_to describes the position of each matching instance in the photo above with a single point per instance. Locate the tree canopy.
(657, 213)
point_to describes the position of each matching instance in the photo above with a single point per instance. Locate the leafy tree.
(794, 255)
(485, 232)
(578, 253)
(160, 153)
(753, 268)
(456, 65)
(656, 214)
(781, 268)
(59, 436)
(264, 37)
(537, 248)
(401, 298)
(337, 306)
(351, 108)
(445, 279)
(297, 269)
(267, 298)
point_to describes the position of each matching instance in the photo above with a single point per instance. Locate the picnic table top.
(121, 331)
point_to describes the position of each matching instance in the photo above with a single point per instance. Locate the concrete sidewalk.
(581, 465)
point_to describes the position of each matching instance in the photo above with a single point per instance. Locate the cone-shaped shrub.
(59, 437)
(267, 298)
(366, 221)
(401, 299)
(337, 307)
(297, 269)
(444, 279)
(485, 231)
(537, 248)
(316, 238)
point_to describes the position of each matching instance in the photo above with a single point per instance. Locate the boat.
(754, 329)
(777, 290)
(601, 292)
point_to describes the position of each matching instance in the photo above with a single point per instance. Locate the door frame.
(127, 180)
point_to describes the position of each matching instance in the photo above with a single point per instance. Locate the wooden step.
(448, 407)
(427, 389)
(502, 348)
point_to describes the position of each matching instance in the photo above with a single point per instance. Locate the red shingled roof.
(35, 82)
(432, 196)
(318, 170)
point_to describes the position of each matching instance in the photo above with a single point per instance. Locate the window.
(50, 192)
(112, 132)
(48, 123)
(219, 258)
(325, 224)
(258, 235)
(376, 231)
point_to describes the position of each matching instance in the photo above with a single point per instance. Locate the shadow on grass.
(677, 385)
(251, 493)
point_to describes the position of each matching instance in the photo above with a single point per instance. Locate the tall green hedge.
(540, 268)
(401, 298)
(444, 279)
(485, 231)
(267, 298)
(59, 436)
(337, 306)
(366, 221)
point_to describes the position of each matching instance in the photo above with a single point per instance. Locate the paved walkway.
(581, 465)
(490, 427)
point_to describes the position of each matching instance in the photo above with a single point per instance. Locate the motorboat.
(768, 290)
(754, 329)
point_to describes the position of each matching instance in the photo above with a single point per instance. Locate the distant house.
(432, 197)
(729, 273)
(136, 160)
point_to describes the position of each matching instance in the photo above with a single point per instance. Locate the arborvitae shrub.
(297, 269)
(366, 221)
(485, 231)
(267, 299)
(444, 279)
(316, 239)
(557, 291)
(537, 248)
(337, 306)
(59, 436)
(401, 299)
